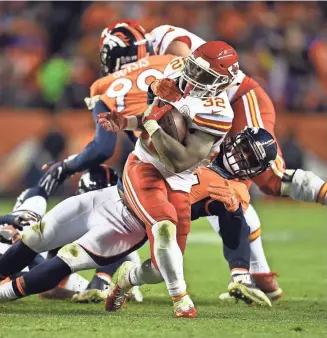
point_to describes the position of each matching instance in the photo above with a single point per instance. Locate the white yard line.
(206, 237)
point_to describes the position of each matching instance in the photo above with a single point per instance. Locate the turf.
(295, 241)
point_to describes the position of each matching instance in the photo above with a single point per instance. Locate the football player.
(123, 51)
(102, 228)
(158, 174)
(252, 107)
(168, 39)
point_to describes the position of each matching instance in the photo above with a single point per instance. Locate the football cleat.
(136, 294)
(184, 308)
(120, 290)
(91, 296)
(242, 287)
(269, 285)
(58, 294)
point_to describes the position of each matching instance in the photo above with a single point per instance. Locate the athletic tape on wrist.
(151, 126)
(132, 123)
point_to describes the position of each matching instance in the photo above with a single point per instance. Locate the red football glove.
(154, 112)
(166, 89)
(226, 194)
(112, 121)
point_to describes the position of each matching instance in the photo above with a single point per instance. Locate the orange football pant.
(254, 109)
(152, 200)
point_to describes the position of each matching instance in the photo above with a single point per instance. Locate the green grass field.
(295, 242)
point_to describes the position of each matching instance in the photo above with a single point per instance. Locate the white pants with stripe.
(98, 221)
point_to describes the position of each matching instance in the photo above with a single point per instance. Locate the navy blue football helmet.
(122, 45)
(98, 177)
(246, 155)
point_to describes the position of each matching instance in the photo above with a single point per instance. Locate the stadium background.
(48, 59)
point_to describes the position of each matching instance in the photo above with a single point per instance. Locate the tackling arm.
(99, 149)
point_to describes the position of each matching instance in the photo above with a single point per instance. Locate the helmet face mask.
(104, 60)
(246, 155)
(199, 80)
(242, 158)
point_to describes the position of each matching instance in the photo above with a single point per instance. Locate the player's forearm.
(175, 152)
(96, 152)
(7, 219)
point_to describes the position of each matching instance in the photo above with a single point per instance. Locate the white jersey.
(162, 36)
(213, 116)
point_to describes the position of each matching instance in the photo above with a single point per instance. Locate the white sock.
(169, 257)
(134, 257)
(7, 292)
(258, 261)
(145, 274)
(237, 271)
(75, 282)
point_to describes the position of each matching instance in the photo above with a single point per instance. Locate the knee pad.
(253, 221)
(34, 239)
(164, 233)
(76, 257)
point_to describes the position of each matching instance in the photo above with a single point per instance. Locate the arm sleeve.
(7, 219)
(230, 223)
(99, 149)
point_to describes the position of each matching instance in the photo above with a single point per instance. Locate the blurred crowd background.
(49, 58)
(49, 49)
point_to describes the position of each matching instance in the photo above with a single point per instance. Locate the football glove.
(112, 121)
(166, 89)
(56, 174)
(154, 112)
(20, 218)
(225, 194)
(9, 235)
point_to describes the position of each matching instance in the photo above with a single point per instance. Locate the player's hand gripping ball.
(112, 121)
(155, 111)
(166, 89)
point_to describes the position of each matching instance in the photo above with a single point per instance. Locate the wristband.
(131, 123)
(151, 126)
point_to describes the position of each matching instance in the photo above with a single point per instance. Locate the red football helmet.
(121, 23)
(210, 69)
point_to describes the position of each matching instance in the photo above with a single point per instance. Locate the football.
(173, 124)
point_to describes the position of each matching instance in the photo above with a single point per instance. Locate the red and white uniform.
(162, 36)
(251, 105)
(153, 190)
(213, 116)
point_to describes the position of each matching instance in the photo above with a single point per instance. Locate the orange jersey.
(126, 90)
(204, 176)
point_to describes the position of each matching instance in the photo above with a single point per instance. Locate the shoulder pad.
(174, 67)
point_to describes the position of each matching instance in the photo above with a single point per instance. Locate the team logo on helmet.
(225, 53)
(233, 69)
(118, 39)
